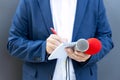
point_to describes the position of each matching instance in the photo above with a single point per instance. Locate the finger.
(81, 54)
(71, 54)
(56, 37)
(50, 48)
(53, 41)
(75, 57)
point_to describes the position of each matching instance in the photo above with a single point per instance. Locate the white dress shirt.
(63, 14)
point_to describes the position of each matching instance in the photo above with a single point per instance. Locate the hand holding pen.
(53, 41)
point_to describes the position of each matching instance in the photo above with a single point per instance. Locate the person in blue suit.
(31, 40)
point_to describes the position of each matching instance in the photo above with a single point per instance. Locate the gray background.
(10, 68)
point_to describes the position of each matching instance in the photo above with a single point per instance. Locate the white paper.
(59, 52)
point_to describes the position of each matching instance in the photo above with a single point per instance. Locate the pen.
(53, 31)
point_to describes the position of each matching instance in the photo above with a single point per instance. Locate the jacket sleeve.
(19, 44)
(103, 33)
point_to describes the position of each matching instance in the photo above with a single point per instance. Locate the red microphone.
(91, 46)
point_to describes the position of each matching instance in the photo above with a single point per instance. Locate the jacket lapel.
(46, 13)
(80, 10)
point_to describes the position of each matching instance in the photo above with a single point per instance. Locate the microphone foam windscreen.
(94, 46)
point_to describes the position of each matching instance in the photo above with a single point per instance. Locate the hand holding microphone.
(83, 49)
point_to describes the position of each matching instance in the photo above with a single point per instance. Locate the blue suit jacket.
(31, 27)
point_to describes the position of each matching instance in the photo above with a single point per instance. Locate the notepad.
(59, 52)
